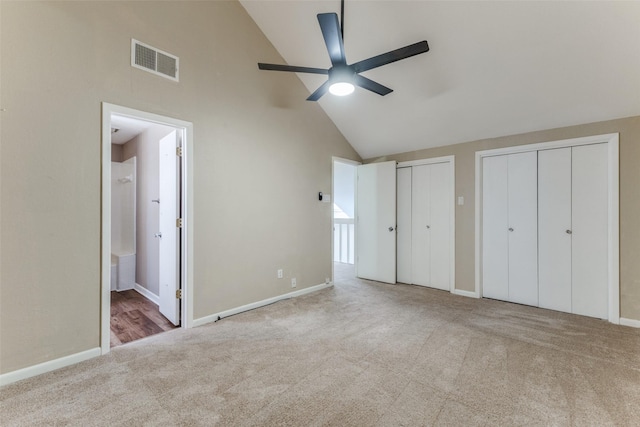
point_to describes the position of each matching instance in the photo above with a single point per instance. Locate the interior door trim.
(187, 233)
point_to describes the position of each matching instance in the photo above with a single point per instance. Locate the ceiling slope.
(494, 68)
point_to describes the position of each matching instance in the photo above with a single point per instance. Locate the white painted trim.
(147, 294)
(51, 365)
(612, 139)
(186, 128)
(452, 217)
(419, 162)
(221, 315)
(478, 199)
(452, 224)
(346, 161)
(614, 229)
(469, 294)
(630, 322)
(586, 140)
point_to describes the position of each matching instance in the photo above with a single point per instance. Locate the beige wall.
(261, 154)
(629, 130)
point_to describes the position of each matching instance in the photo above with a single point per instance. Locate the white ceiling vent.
(154, 60)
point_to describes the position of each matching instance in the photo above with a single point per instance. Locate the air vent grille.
(154, 60)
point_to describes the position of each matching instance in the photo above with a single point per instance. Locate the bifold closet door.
(554, 229)
(439, 225)
(523, 228)
(403, 262)
(495, 222)
(510, 228)
(430, 225)
(589, 256)
(420, 219)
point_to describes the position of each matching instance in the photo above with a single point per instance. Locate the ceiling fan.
(344, 77)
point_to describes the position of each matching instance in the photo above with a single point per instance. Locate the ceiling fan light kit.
(342, 77)
(341, 88)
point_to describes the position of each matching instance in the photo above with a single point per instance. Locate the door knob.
(390, 228)
(569, 232)
(158, 235)
(510, 229)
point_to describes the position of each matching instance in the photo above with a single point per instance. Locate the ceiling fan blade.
(319, 92)
(292, 68)
(392, 56)
(369, 84)
(332, 37)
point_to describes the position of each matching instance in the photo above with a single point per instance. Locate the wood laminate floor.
(134, 317)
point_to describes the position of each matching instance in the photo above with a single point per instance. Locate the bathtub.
(123, 271)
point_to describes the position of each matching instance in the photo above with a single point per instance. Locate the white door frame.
(612, 141)
(186, 242)
(452, 218)
(354, 163)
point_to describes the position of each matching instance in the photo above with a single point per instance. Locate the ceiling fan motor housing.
(341, 73)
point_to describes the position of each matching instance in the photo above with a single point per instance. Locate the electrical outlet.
(280, 274)
(293, 282)
(327, 280)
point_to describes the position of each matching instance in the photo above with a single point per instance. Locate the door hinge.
(178, 293)
(179, 222)
(179, 151)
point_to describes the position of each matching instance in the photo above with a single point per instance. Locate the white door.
(495, 222)
(376, 222)
(589, 256)
(554, 229)
(404, 226)
(509, 228)
(523, 227)
(421, 220)
(439, 225)
(169, 238)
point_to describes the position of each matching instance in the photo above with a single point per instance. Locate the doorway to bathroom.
(145, 190)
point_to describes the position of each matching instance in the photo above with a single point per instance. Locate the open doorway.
(143, 225)
(343, 219)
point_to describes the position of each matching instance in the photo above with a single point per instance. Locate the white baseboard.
(52, 365)
(630, 322)
(213, 317)
(147, 294)
(470, 294)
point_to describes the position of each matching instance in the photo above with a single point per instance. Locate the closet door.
(523, 227)
(554, 229)
(495, 222)
(589, 258)
(420, 218)
(439, 225)
(403, 262)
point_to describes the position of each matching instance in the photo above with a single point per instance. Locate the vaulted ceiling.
(494, 68)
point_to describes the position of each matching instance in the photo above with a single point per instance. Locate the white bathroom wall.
(146, 150)
(123, 207)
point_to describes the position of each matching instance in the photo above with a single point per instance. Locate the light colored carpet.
(358, 354)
